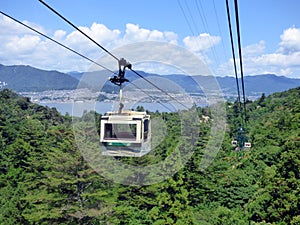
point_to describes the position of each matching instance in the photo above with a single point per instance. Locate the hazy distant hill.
(258, 84)
(254, 85)
(27, 78)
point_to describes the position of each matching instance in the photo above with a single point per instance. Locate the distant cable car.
(247, 145)
(234, 143)
(125, 134)
(241, 141)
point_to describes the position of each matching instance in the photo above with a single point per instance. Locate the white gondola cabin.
(125, 134)
(234, 143)
(247, 145)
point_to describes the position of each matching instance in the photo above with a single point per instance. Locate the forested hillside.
(45, 180)
(26, 78)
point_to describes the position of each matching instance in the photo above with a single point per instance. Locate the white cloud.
(159, 57)
(19, 45)
(201, 43)
(255, 49)
(278, 59)
(11, 27)
(290, 41)
(134, 33)
(283, 61)
(22, 46)
(59, 34)
(99, 33)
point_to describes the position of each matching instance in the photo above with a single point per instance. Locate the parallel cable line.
(186, 19)
(191, 15)
(204, 23)
(233, 54)
(201, 12)
(240, 53)
(219, 28)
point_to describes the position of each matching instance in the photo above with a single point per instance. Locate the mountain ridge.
(22, 78)
(26, 78)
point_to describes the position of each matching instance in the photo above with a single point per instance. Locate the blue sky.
(270, 32)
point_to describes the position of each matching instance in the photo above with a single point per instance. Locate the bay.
(78, 108)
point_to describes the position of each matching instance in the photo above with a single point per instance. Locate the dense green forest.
(44, 178)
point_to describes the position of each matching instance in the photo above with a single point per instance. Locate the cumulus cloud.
(59, 34)
(290, 41)
(283, 61)
(278, 59)
(159, 57)
(98, 32)
(22, 46)
(201, 43)
(11, 27)
(254, 49)
(134, 33)
(286, 59)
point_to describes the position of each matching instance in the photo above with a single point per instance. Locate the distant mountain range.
(26, 78)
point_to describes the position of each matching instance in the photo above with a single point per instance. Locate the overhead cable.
(219, 28)
(108, 52)
(76, 28)
(154, 85)
(51, 39)
(240, 53)
(233, 55)
(81, 55)
(186, 19)
(159, 102)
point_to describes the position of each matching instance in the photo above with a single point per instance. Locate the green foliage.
(44, 178)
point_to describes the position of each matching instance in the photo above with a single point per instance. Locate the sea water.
(78, 108)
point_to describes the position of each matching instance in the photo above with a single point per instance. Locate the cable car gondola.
(241, 141)
(125, 133)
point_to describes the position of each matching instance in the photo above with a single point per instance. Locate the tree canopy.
(44, 179)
